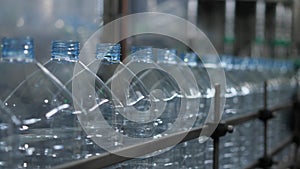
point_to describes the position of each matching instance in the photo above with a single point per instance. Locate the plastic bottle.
(196, 149)
(40, 101)
(9, 141)
(115, 74)
(203, 153)
(184, 85)
(18, 51)
(229, 147)
(64, 59)
(193, 63)
(189, 101)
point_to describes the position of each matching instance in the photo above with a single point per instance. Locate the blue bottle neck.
(167, 56)
(67, 51)
(190, 59)
(142, 54)
(17, 49)
(108, 53)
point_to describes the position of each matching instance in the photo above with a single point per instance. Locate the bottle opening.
(65, 51)
(108, 52)
(17, 49)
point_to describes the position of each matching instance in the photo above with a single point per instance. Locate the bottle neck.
(142, 54)
(167, 56)
(190, 59)
(108, 53)
(20, 50)
(227, 62)
(65, 51)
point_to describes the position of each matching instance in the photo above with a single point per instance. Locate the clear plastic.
(204, 149)
(244, 94)
(193, 63)
(9, 141)
(14, 50)
(64, 58)
(49, 133)
(229, 147)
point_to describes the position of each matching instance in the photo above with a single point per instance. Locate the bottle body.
(9, 154)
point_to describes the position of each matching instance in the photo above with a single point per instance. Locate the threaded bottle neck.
(190, 59)
(167, 56)
(17, 49)
(142, 54)
(108, 52)
(65, 51)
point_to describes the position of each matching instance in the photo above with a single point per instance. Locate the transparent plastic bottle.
(166, 58)
(64, 56)
(40, 102)
(104, 63)
(64, 59)
(138, 98)
(96, 96)
(115, 73)
(253, 102)
(197, 148)
(14, 50)
(93, 92)
(182, 155)
(187, 96)
(9, 141)
(250, 97)
(168, 159)
(209, 148)
(172, 64)
(281, 89)
(233, 88)
(229, 146)
(201, 151)
(156, 78)
(193, 63)
(247, 89)
(205, 88)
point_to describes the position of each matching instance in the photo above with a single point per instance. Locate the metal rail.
(254, 115)
(216, 142)
(273, 152)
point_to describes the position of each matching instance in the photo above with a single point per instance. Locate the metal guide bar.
(274, 151)
(217, 112)
(254, 115)
(281, 146)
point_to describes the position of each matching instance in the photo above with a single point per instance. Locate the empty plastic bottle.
(41, 102)
(64, 59)
(9, 141)
(109, 68)
(228, 144)
(16, 51)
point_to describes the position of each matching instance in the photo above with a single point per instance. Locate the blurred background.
(256, 28)
(50, 20)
